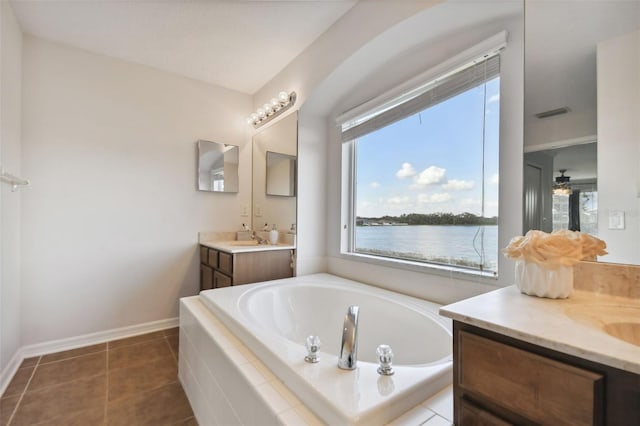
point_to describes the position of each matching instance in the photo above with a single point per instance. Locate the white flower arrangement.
(554, 250)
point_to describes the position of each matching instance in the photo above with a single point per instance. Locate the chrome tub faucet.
(349, 349)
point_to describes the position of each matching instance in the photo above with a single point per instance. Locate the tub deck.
(223, 369)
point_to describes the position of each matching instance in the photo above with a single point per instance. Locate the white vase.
(534, 280)
(274, 236)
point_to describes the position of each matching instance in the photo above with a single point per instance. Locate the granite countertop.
(574, 326)
(236, 246)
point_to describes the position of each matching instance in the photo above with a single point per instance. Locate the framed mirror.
(582, 103)
(275, 150)
(217, 166)
(281, 174)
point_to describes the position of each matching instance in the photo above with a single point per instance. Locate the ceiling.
(240, 45)
(560, 50)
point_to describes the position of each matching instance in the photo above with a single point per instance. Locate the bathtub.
(273, 319)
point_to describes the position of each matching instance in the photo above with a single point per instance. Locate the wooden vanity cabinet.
(501, 381)
(223, 269)
(208, 261)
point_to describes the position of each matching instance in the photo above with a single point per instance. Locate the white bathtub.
(273, 319)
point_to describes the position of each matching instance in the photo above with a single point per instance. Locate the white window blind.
(431, 94)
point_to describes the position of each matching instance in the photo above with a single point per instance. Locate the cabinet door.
(206, 277)
(262, 266)
(225, 263)
(536, 387)
(221, 280)
(212, 258)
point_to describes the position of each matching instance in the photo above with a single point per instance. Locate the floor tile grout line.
(71, 357)
(24, 391)
(139, 393)
(65, 382)
(175, 356)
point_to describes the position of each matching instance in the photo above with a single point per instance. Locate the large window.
(424, 174)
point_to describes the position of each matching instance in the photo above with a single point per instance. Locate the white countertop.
(245, 246)
(545, 322)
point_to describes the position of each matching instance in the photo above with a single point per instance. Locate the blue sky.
(431, 162)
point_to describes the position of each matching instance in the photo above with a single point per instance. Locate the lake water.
(452, 244)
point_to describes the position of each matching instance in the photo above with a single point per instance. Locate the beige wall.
(110, 225)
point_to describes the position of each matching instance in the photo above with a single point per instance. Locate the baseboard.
(78, 342)
(10, 370)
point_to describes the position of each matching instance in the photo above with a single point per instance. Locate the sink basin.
(627, 331)
(619, 321)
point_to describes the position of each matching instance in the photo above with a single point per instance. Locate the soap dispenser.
(273, 235)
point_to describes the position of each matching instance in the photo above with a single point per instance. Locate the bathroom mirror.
(275, 150)
(582, 103)
(217, 167)
(281, 174)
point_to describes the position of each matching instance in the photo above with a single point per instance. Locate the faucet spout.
(349, 348)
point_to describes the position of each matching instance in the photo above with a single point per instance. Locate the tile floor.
(126, 382)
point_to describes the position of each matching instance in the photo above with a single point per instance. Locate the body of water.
(453, 244)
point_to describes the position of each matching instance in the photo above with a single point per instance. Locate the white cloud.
(407, 170)
(374, 185)
(495, 179)
(398, 200)
(430, 176)
(494, 98)
(458, 185)
(441, 197)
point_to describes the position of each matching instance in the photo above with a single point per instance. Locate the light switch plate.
(258, 211)
(616, 219)
(244, 211)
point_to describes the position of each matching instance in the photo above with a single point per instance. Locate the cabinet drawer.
(206, 277)
(472, 415)
(221, 280)
(212, 258)
(225, 263)
(535, 387)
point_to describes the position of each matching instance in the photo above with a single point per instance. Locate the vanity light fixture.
(272, 109)
(562, 187)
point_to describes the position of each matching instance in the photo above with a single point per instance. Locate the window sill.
(426, 268)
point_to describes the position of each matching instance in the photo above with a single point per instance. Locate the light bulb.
(254, 118)
(268, 109)
(249, 120)
(275, 104)
(261, 113)
(283, 97)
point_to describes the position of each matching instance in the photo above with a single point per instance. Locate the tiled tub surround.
(131, 381)
(554, 324)
(227, 383)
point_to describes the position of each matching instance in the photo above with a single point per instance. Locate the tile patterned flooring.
(126, 382)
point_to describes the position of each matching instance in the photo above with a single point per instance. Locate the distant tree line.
(429, 219)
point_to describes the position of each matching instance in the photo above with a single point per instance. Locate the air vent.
(553, 112)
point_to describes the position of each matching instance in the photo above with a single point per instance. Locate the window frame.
(349, 172)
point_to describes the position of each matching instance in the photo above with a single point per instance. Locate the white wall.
(10, 145)
(444, 288)
(619, 145)
(363, 64)
(109, 228)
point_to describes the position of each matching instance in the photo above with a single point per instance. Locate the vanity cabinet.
(499, 380)
(224, 269)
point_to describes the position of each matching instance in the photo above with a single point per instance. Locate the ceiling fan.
(562, 186)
